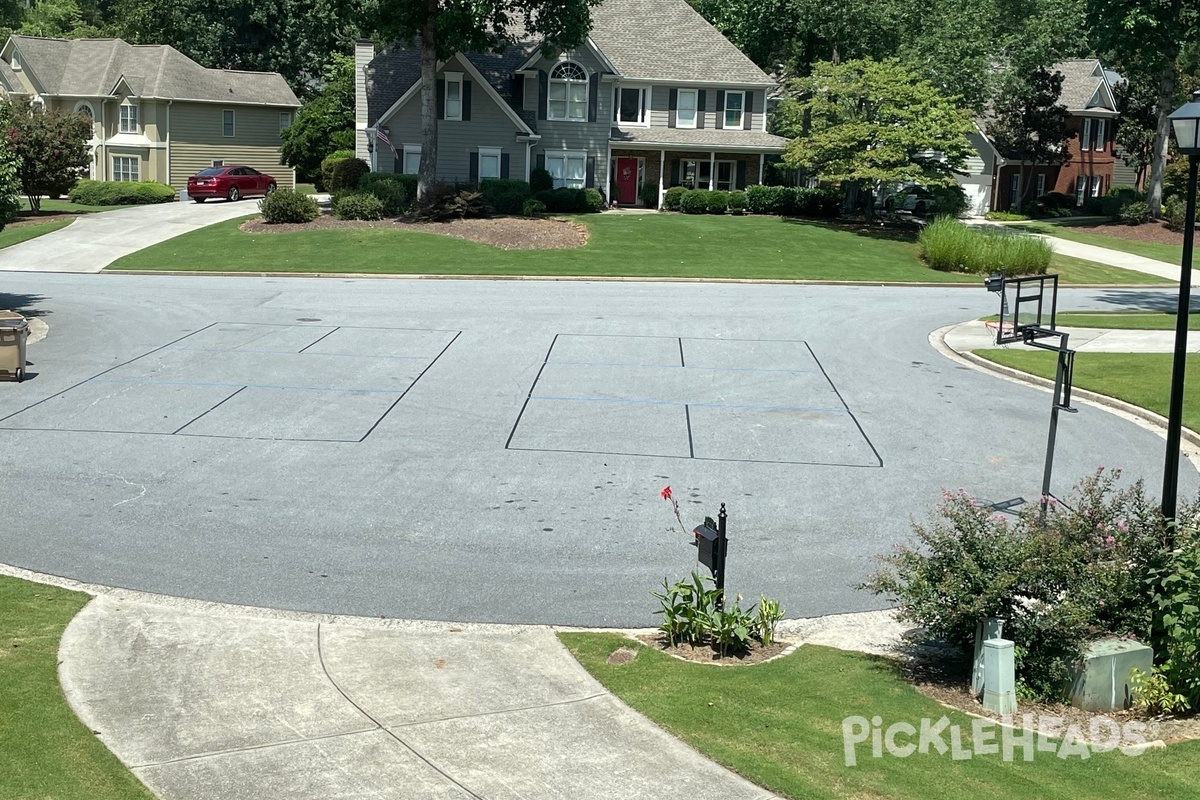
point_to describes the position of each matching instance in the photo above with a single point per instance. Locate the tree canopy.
(323, 124)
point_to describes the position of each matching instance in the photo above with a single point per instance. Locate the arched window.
(86, 110)
(568, 92)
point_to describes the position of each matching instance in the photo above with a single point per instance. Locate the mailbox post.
(712, 545)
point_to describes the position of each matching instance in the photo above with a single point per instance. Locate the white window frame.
(285, 120)
(696, 110)
(498, 154)
(1085, 141)
(126, 168)
(411, 150)
(716, 179)
(560, 176)
(452, 79)
(1081, 185)
(218, 163)
(568, 85)
(643, 118)
(231, 125)
(1096, 185)
(1041, 184)
(15, 63)
(1014, 189)
(1099, 143)
(741, 121)
(701, 164)
(128, 118)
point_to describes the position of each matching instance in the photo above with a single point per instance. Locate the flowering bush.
(1089, 569)
(51, 147)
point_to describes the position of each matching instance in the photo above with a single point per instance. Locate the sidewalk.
(229, 703)
(976, 335)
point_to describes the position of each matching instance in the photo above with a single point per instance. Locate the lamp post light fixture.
(1186, 124)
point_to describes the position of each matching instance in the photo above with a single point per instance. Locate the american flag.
(381, 135)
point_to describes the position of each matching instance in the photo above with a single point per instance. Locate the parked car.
(233, 182)
(912, 199)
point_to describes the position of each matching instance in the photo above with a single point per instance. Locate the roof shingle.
(700, 138)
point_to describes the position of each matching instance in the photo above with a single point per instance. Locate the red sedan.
(233, 182)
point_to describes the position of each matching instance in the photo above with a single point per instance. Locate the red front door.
(627, 176)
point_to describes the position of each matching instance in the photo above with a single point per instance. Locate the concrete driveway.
(493, 451)
(93, 241)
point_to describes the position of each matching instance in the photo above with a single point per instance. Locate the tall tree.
(1145, 39)
(1138, 106)
(324, 123)
(874, 122)
(1029, 123)
(442, 28)
(52, 148)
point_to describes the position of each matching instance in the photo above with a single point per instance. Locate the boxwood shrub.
(566, 201)
(794, 201)
(737, 202)
(503, 195)
(120, 193)
(593, 201)
(288, 206)
(533, 207)
(695, 201)
(718, 202)
(673, 199)
(346, 174)
(358, 205)
(540, 180)
(765, 199)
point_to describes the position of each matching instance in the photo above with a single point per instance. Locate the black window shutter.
(540, 161)
(474, 168)
(593, 95)
(672, 107)
(720, 108)
(466, 101)
(748, 112)
(740, 183)
(504, 165)
(518, 92)
(441, 99)
(675, 172)
(590, 180)
(543, 93)
(701, 102)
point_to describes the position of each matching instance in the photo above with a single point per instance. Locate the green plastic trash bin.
(14, 333)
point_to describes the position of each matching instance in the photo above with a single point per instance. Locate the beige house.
(157, 115)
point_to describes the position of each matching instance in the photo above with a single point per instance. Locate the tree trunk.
(427, 173)
(1162, 134)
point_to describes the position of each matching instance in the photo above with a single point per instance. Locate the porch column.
(712, 169)
(762, 166)
(662, 165)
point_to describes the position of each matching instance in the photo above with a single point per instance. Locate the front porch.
(630, 170)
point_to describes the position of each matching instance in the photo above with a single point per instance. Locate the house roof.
(9, 78)
(94, 67)
(1082, 79)
(668, 40)
(698, 138)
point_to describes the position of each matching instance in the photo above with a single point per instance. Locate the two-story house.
(996, 181)
(655, 95)
(156, 114)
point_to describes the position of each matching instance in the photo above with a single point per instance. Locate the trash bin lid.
(10, 315)
(14, 324)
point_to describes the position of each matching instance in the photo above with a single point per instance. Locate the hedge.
(569, 201)
(794, 201)
(503, 195)
(673, 199)
(120, 193)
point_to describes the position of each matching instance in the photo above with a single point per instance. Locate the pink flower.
(666, 493)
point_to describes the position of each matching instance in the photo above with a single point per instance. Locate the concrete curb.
(38, 330)
(1128, 411)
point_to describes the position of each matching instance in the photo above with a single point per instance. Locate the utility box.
(14, 334)
(1101, 682)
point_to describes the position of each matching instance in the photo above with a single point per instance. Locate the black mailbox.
(994, 282)
(708, 542)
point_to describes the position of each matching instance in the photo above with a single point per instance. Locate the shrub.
(648, 194)
(392, 192)
(1175, 628)
(949, 245)
(1005, 216)
(949, 201)
(695, 201)
(593, 201)
(445, 201)
(563, 200)
(328, 163)
(813, 202)
(358, 205)
(737, 202)
(120, 193)
(673, 199)
(504, 196)
(1057, 200)
(346, 174)
(1093, 207)
(1175, 179)
(717, 202)
(533, 207)
(540, 180)
(1174, 214)
(1135, 213)
(288, 205)
(1087, 569)
(765, 199)
(1118, 198)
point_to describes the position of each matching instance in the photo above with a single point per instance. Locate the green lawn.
(1143, 379)
(305, 188)
(1127, 320)
(66, 206)
(31, 230)
(48, 753)
(619, 245)
(1088, 232)
(780, 725)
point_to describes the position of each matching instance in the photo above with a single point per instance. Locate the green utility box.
(1101, 682)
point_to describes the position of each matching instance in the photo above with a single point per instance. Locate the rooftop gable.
(1084, 85)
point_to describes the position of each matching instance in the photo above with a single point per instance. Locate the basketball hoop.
(1002, 331)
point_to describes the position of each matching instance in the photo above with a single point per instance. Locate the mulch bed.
(26, 218)
(1153, 231)
(707, 655)
(505, 233)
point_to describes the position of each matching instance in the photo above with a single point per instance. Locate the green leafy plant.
(694, 201)
(533, 207)
(1152, 692)
(737, 202)
(718, 202)
(1175, 594)
(687, 609)
(648, 194)
(358, 205)
(540, 180)
(593, 201)
(1174, 211)
(1006, 216)
(504, 196)
(1135, 213)
(346, 174)
(327, 166)
(120, 193)
(730, 629)
(288, 206)
(769, 615)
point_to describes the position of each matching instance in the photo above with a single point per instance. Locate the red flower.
(666, 493)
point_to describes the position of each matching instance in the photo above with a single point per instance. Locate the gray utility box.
(1101, 682)
(14, 333)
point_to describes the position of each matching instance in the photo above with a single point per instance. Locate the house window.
(1080, 189)
(568, 93)
(16, 61)
(125, 168)
(631, 105)
(1085, 141)
(1014, 189)
(454, 92)
(218, 163)
(734, 104)
(285, 119)
(1100, 143)
(1041, 184)
(129, 118)
(726, 175)
(686, 110)
(1096, 186)
(227, 123)
(489, 162)
(694, 174)
(568, 169)
(412, 159)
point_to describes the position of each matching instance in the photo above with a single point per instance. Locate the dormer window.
(568, 93)
(16, 61)
(129, 118)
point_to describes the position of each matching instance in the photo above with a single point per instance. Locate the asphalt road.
(494, 450)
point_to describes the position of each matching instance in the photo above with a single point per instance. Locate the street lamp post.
(1186, 123)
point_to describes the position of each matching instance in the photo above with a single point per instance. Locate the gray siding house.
(654, 96)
